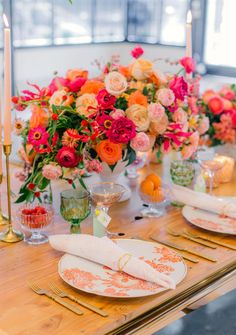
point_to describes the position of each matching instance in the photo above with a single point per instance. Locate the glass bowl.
(156, 202)
(35, 219)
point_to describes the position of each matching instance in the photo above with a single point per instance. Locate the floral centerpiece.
(79, 123)
(220, 108)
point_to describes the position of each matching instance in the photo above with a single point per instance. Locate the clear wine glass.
(104, 195)
(75, 207)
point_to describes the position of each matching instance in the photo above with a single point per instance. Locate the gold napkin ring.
(125, 257)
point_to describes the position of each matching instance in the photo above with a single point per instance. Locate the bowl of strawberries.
(35, 219)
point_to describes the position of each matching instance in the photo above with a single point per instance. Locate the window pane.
(220, 48)
(173, 28)
(72, 22)
(144, 19)
(109, 21)
(32, 22)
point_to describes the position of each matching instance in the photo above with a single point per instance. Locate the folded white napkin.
(204, 201)
(106, 252)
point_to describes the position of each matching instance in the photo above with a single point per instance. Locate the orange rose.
(38, 118)
(137, 98)
(92, 86)
(141, 69)
(125, 71)
(109, 152)
(61, 98)
(72, 74)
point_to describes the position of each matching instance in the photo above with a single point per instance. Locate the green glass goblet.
(75, 207)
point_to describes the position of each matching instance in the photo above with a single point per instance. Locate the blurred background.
(53, 35)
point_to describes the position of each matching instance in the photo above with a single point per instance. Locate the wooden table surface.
(22, 312)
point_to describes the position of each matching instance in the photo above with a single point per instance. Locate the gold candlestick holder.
(10, 235)
(3, 219)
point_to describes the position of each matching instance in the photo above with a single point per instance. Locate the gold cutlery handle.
(223, 244)
(87, 305)
(190, 259)
(200, 255)
(199, 242)
(64, 303)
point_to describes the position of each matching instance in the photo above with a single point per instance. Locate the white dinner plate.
(101, 280)
(209, 221)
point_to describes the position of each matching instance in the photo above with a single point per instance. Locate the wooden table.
(22, 312)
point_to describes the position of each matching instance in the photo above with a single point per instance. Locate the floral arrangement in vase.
(79, 123)
(220, 108)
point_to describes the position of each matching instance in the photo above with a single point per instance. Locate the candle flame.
(189, 17)
(5, 20)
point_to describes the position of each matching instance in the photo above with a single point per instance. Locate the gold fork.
(191, 238)
(63, 294)
(41, 291)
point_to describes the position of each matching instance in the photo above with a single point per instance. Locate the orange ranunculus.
(92, 86)
(75, 73)
(39, 117)
(109, 152)
(125, 71)
(155, 79)
(137, 98)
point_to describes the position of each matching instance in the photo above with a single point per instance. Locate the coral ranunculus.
(216, 105)
(67, 157)
(92, 86)
(39, 117)
(188, 64)
(109, 152)
(179, 86)
(137, 98)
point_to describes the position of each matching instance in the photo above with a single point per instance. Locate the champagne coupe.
(75, 207)
(105, 194)
(206, 161)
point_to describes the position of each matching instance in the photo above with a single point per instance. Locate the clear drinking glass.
(35, 218)
(75, 207)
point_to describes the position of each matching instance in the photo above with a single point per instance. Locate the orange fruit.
(157, 195)
(155, 179)
(147, 187)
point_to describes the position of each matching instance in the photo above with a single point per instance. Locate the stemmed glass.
(105, 194)
(206, 161)
(75, 207)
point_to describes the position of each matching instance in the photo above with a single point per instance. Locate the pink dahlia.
(67, 157)
(38, 136)
(52, 172)
(179, 86)
(121, 131)
(105, 100)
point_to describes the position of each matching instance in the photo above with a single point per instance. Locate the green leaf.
(82, 183)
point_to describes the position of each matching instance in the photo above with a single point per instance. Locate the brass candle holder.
(3, 220)
(10, 235)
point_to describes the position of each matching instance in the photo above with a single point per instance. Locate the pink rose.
(187, 151)
(194, 140)
(57, 84)
(188, 64)
(159, 125)
(140, 142)
(93, 166)
(105, 99)
(76, 84)
(180, 116)
(165, 96)
(52, 172)
(179, 86)
(115, 83)
(203, 126)
(137, 51)
(117, 113)
(156, 111)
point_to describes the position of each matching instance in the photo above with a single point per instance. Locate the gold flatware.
(63, 294)
(55, 298)
(193, 239)
(223, 244)
(178, 247)
(188, 258)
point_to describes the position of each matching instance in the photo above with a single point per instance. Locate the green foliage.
(121, 103)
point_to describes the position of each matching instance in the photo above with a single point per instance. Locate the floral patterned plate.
(97, 279)
(209, 221)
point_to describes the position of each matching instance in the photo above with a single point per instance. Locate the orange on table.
(147, 187)
(155, 179)
(157, 195)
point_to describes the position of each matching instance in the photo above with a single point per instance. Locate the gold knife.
(223, 244)
(178, 247)
(191, 238)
